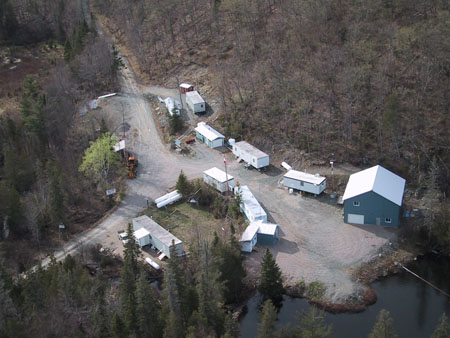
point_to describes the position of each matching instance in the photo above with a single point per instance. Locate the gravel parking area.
(315, 244)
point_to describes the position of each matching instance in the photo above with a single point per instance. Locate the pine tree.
(313, 324)
(117, 62)
(443, 328)
(384, 327)
(118, 329)
(67, 51)
(183, 186)
(127, 285)
(147, 310)
(101, 329)
(231, 327)
(56, 195)
(267, 320)
(271, 285)
(11, 208)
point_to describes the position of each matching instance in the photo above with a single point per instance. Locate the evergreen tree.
(67, 51)
(7, 308)
(118, 329)
(11, 208)
(100, 320)
(56, 195)
(175, 123)
(127, 285)
(229, 263)
(183, 185)
(271, 285)
(231, 327)
(267, 320)
(10, 20)
(147, 310)
(384, 327)
(443, 328)
(313, 324)
(32, 109)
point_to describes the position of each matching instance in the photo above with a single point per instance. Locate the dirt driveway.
(315, 243)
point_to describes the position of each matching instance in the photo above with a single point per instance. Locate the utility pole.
(226, 174)
(179, 91)
(123, 124)
(332, 176)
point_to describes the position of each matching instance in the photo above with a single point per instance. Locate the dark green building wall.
(264, 239)
(373, 206)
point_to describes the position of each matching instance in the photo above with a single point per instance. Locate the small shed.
(142, 237)
(374, 196)
(250, 154)
(186, 87)
(299, 180)
(249, 238)
(159, 237)
(209, 135)
(250, 206)
(173, 106)
(218, 179)
(268, 233)
(195, 102)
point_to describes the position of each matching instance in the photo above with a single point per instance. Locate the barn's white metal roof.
(171, 104)
(218, 175)
(250, 201)
(194, 97)
(248, 148)
(207, 131)
(156, 230)
(379, 180)
(185, 85)
(250, 232)
(305, 177)
(267, 228)
(141, 233)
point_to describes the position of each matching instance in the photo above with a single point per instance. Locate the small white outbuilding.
(249, 238)
(250, 206)
(195, 102)
(142, 237)
(299, 180)
(218, 179)
(209, 135)
(250, 154)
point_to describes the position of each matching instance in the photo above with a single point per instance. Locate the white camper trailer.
(302, 181)
(251, 155)
(195, 102)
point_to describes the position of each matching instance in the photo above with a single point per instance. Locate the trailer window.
(387, 220)
(356, 203)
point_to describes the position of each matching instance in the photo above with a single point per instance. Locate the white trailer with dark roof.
(250, 154)
(298, 180)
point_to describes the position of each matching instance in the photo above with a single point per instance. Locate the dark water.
(414, 306)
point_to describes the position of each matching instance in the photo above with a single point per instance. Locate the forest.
(354, 81)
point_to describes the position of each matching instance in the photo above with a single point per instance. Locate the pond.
(414, 305)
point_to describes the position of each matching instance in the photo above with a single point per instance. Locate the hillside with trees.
(360, 82)
(43, 135)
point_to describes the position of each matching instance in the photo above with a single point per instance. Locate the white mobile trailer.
(195, 102)
(250, 205)
(251, 154)
(160, 238)
(298, 180)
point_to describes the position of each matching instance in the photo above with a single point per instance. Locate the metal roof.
(156, 230)
(248, 148)
(250, 201)
(267, 228)
(250, 232)
(194, 97)
(217, 174)
(186, 85)
(210, 133)
(379, 180)
(305, 177)
(141, 233)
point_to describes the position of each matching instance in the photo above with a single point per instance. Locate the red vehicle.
(191, 140)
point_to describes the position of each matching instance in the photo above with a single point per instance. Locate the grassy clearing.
(188, 222)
